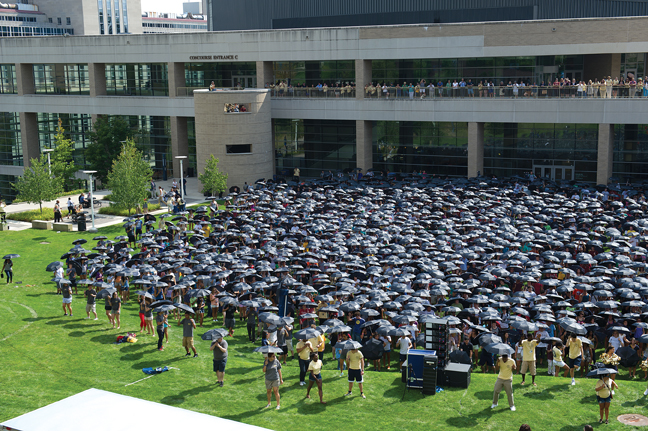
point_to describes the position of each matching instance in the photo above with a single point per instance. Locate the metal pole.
(92, 204)
(182, 182)
(49, 164)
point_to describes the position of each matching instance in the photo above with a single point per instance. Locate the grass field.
(45, 357)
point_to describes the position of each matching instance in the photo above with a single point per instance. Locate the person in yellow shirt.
(604, 389)
(529, 357)
(304, 349)
(315, 376)
(558, 352)
(355, 364)
(575, 355)
(505, 367)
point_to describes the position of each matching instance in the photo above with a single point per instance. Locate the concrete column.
(475, 149)
(599, 66)
(25, 78)
(605, 153)
(29, 135)
(362, 76)
(97, 77)
(364, 145)
(264, 73)
(179, 144)
(176, 79)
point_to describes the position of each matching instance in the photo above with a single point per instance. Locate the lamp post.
(49, 162)
(181, 158)
(89, 173)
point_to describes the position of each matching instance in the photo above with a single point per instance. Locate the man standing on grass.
(91, 305)
(115, 310)
(405, 345)
(575, 355)
(66, 290)
(219, 346)
(505, 366)
(355, 364)
(188, 326)
(529, 357)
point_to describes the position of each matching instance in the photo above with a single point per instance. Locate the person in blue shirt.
(357, 322)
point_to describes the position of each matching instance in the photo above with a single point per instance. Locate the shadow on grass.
(76, 334)
(180, 397)
(61, 321)
(39, 238)
(105, 339)
(153, 363)
(81, 325)
(35, 319)
(473, 420)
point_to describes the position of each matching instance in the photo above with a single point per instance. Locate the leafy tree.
(129, 178)
(213, 180)
(63, 166)
(36, 185)
(106, 136)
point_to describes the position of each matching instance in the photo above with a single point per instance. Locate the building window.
(50, 20)
(61, 79)
(239, 149)
(137, 79)
(68, 21)
(59, 21)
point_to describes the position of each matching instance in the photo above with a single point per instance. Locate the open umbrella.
(306, 334)
(348, 345)
(185, 307)
(165, 307)
(268, 349)
(399, 332)
(53, 266)
(489, 338)
(499, 349)
(460, 357)
(573, 326)
(11, 256)
(214, 334)
(598, 372)
(106, 293)
(373, 350)
(629, 356)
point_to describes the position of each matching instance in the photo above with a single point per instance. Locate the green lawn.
(45, 357)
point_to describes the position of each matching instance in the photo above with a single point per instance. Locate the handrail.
(433, 93)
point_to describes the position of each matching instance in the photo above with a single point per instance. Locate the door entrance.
(554, 173)
(244, 81)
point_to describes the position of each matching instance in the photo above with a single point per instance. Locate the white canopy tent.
(85, 410)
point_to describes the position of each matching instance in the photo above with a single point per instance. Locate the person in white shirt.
(617, 341)
(405, 344)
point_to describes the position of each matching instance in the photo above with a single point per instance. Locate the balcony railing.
(434, 93)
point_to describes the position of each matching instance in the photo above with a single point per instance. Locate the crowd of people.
(520, 277)
(560, 87)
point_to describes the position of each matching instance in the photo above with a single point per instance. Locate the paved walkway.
(193, 196)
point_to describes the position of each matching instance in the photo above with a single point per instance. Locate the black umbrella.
(499, 349)
(268, 349)
(348, 345)
(106, 293)
(185, 307)
(489, 338)
(214, 334)
(11, 256)
(165, 307)
(53, 266)
(597, 372)
(573, 326)
(373, 350)
(306, 334)
(629, 356)
(161, 302)
(461, 357)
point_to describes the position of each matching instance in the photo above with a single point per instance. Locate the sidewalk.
(193, 196)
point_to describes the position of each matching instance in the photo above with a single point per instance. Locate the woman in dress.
(604, 392)
(315, 376)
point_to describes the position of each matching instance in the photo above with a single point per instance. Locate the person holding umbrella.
(505, 367)
(273, 378)
(160, 319)
(303, 349)
(91, 306)
(115, 310)
(230, 322)
(604, 389)
(355, 364)
(219, 346)
(66, 290)
(575, 354)
(188, 326)
(7, 269)
(405, 345)
(315, 368)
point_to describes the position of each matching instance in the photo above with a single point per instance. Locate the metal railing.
(433, 93)
(188, 91)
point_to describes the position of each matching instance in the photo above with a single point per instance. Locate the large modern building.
(150, 80)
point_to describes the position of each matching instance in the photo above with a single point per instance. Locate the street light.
(93, 230)
(49, 163)
(181, 158)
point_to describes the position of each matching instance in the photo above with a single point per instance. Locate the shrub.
(117, 211)
(31, 215)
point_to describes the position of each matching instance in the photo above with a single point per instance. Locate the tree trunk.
(40, 204)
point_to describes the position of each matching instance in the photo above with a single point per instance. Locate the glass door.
(244, 81)
(554, 173)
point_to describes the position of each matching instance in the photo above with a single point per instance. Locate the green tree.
(63, 166)
(213, 180)
(129, 178)
(106, 136)
(36, 185)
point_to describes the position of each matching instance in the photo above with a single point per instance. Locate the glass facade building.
(76, 127)
(70, 79)
(137, 79)
(225, 75)
(8, 80)
(311, 73)
(314, 146)
(630, 152)
(11, 151)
